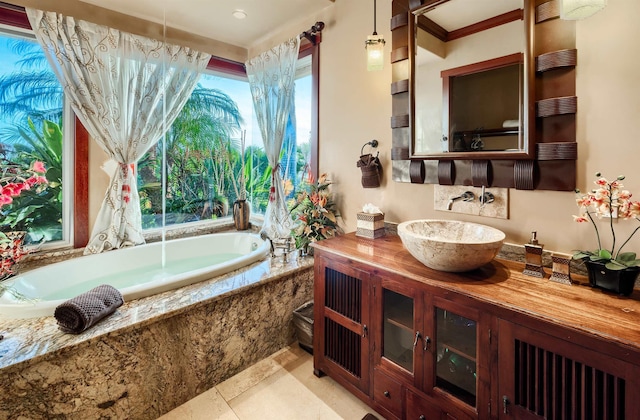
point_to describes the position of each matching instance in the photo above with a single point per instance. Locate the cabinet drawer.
(420, 408)
(387, 392)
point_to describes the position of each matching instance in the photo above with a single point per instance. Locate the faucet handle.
(486, 197)
(468, 196)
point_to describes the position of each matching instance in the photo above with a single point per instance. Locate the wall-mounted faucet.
(466, 196)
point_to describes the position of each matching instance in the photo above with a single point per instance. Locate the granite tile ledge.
(30, 340)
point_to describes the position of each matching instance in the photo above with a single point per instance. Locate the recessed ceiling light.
(239, 14)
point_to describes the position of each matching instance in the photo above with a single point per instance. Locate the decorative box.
(370, 225)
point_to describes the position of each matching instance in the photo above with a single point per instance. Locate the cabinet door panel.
(545, 377)
(398, 334)
(341, 306)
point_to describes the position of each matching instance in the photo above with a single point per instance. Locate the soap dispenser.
(533, 258)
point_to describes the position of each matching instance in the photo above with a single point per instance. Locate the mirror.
(470, 82)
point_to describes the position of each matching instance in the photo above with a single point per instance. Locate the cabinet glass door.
(398, 329)
(456, 355)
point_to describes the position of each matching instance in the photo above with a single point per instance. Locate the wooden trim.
(523, 174)
(16, 16)
(481, 173)
(431, 27)
(446, 172)
(398, 21)
(494, 63)
(81, 186)
(399, 153)
(486, 24)
(225, 66)
(548, 10)
(416, 172)
(399, 54)
(400, 86)
(399, 121)
(557, 106)
(556, 59)
(557, 151)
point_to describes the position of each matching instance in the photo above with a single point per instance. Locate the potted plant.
(609, 268)
(315, 212)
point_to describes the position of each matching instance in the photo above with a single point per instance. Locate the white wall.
(355, 107)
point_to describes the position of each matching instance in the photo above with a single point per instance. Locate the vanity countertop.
(506, 291)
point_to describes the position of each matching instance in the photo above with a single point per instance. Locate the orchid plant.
(315, 212)
(608, 200)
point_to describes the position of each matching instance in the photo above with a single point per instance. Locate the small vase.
(241, 213)
(618, 281)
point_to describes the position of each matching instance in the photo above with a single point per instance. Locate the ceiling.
(213, 18)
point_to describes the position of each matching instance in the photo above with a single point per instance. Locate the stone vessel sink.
(450, 245)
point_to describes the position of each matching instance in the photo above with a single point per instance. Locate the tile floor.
(281, 387)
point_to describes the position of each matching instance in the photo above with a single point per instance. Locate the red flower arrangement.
(15, 180)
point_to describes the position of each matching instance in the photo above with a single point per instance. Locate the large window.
(214, 144)
(35, 126)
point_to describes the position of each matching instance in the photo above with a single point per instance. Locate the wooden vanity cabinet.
(417, 344)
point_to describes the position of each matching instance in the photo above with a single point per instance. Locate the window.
(35, 125)
(206, 145)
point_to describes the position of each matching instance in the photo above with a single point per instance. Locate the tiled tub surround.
(154, 353)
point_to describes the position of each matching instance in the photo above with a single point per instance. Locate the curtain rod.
(310, 34)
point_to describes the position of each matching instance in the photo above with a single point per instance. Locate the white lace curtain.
(126, 90)
(271, 77)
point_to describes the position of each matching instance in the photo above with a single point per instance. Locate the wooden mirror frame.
(527, 146)
(554, 105)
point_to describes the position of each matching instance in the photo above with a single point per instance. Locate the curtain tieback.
(272, 190)
(126, 188)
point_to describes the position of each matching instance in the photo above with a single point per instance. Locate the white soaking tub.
(136, 271)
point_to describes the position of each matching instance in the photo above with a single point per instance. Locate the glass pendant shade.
(375, 52)
(580, 9)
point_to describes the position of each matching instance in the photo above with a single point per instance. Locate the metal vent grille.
(343, 347)
(556, 387)
(343, 294)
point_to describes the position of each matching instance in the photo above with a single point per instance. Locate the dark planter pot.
(618, 281)
(241, 213)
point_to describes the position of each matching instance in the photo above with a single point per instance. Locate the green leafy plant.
(608, 200)
(37, 210)
(315, 212)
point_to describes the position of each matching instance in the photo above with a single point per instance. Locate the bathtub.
(137, 271)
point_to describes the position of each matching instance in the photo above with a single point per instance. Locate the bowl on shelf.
(450, 245)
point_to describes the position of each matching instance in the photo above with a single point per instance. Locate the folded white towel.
(510, 123)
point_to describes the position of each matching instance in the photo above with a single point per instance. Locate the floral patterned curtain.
(271, 77)
(126, 90)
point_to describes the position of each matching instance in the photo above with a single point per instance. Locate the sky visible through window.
(8, 61)
(239, 91)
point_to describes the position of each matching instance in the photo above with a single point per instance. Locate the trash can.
(303, 324)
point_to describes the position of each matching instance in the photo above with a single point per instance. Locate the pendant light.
(580, 9)
(375, 47)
